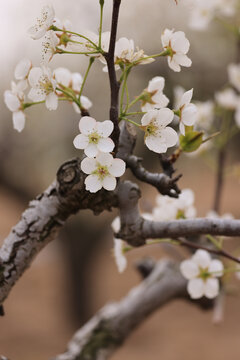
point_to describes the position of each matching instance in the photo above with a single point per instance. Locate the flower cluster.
(204, 11)
(100, 166)
(202, 274)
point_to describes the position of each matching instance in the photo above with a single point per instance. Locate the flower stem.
(27, 105)
(61, 51)
(54, 28)
(91, 61)
(101, 23)
(131, 121)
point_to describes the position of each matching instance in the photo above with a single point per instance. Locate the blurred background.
(76, 275)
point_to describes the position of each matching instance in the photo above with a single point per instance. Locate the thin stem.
(131, 121)
(69, 95)
(138, 98)
(61, 51)
(101, 23)
(135, 113)
(91, 61)
(54, 28)
(27, 105)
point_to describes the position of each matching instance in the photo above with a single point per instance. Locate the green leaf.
(191, 141)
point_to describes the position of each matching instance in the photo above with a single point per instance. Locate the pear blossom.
(186, 111)
(90, 46)
(227, 98)
(234, 75)
(102, 172)
(158, 136)
(202, 273)
(49, 46)
(21, 72)
(204, 115)
(178, 45)
(43, 87)
(169, 208)
(43, 23)
(153, 96)
(14, 100)
(202, 13)
(94, 136)
(118, 251)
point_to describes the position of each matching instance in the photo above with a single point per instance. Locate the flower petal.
(182, 60)
(156, 144)
(87, 125)
(120, 259)
(81, 141)
(211, 288)
(189, 269)
(91, 150)
(216, 267)
(104, 159)
(93, 183)
(88, 165)
(85, 102)
(196, 288)
(51, 101)
(63, 76)
(117, 168)
(19, 120)
(186, 98)
(105, 128)
(170, 135)
(11, 101)
(109, 183)
(22, 69)
(202, 258)
(34, 75)
(164, 117)
(105, 145)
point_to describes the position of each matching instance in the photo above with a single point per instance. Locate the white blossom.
(118, 250)
(169, 208)
(49, 46)
(43, 23)
(227, 98)
(178, 46)
(102, 172)
(202, 13)
(204, 115)
(43, 87)
(158, 136)
(202, 273)
(234, 75)
(153, 96)
(94, 136)
(22, 70)
(227, 7)
(214, 215)
(14, 99)
(187, 111)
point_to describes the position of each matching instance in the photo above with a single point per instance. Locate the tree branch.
(43, 218)
(114, 84)
(135, 230)
(108, 329)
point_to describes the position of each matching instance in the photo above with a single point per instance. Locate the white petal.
(105, 128)
(104, 159)
(164, 117)
(156, 144)
(91, 150)
(93, 183)
(63, 76)
(109, 183)
(211, 288)
(216, 267)
(195, 288)
(11, 101)
(51, 101)
(36, 34)
(182, 60)
(173, 64)
(18, 120)
(189, 114)
(116, 224)
(189, 269)
(22, 69)
(105, 145)
(202, 258)
(117, 168)
(87, 125)
(160, 100)
(34, 75)
(120, 259)
(36, 95)
(170, 135)
(147, 118)
(85, 102)
(76, 108)
(81, 141)
(157, 83)
(76, 81)
(179, 42)
(88, 165)
(182, 128)
(186, 98)
(166, 37)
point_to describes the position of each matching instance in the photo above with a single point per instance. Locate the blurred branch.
(108, 329)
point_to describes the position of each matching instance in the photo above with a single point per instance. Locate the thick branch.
(108, 329)
(135, 230)
(43, 218)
